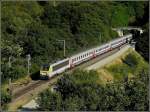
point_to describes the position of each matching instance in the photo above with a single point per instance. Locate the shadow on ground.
(35, 76)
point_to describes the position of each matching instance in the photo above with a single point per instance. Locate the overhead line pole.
(64, 48)
(28, 60)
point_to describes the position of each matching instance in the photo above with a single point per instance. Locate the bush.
(129, 95)
(131, 60)
(48, 100)
(5, 98)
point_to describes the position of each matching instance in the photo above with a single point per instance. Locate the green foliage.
(49, 101)
(15, 72)
(119, 71)
(34, 28)
(10, 49)
(138, 89)
(120, 16)
(72, 103)
(68, 84)
(131, 60)
(5, 98)
(132, 64)
(76, 95)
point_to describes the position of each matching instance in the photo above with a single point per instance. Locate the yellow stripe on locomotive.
(45, 70)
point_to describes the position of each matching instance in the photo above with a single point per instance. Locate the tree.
(73, 104)
(48, 100)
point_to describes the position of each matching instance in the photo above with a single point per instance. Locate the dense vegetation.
(142, 45)
(80, 91)
(129, 66)
(34, 28)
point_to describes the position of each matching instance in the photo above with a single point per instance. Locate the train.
(50, 70)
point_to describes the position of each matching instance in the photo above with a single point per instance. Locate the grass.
(17, 83)
(104, 76)
(126, 65)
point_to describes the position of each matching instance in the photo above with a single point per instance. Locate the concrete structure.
(32, 105)
(120, 30)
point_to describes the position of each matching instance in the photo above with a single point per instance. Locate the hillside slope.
(127, 65)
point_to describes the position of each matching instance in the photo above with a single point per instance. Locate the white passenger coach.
(50, 70)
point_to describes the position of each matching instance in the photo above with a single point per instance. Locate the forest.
(35, 27)
(81, 92)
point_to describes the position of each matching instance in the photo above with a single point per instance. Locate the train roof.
(60, 61)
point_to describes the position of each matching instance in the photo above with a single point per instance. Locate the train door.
(71, 63)
(110, 47)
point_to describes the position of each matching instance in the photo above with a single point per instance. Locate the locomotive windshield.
(45, 67)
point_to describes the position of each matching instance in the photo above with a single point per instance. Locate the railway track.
(33, 86)
(28, 88)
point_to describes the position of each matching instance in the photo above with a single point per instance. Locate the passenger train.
(51, 70)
